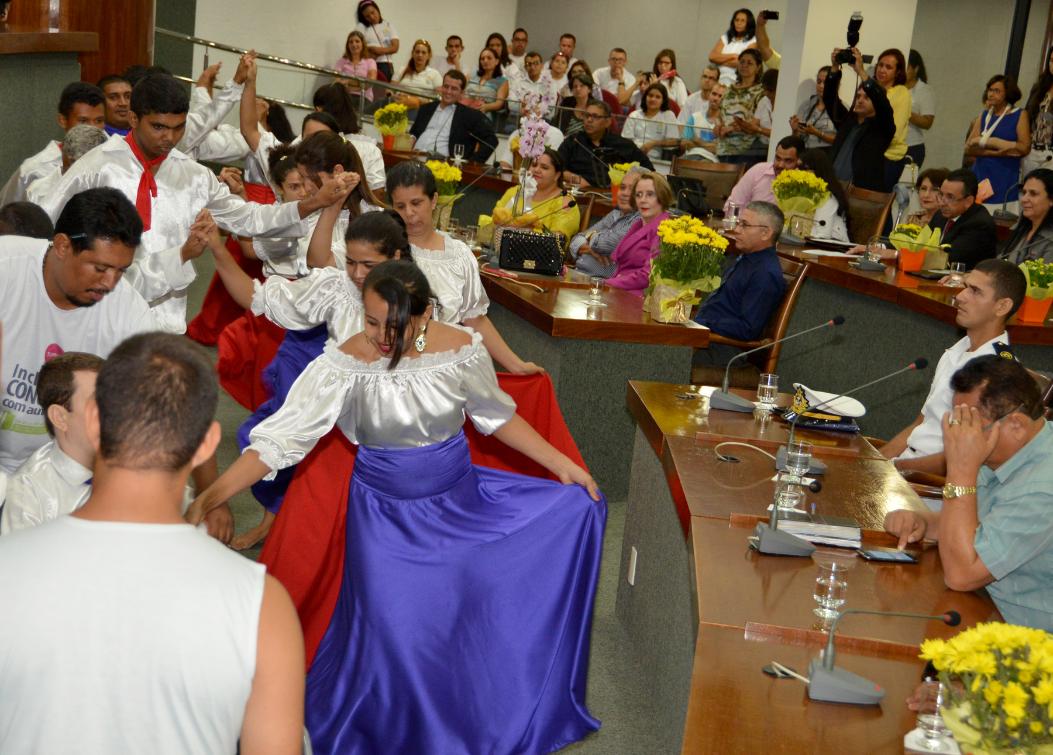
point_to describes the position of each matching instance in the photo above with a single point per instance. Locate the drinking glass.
(731, 217)
(831, 590)
(468, 234)
(767, 392)
(798, 458)
(596, 292)
(788, 493)
(930, 722)
(957, 275)
(458, 152)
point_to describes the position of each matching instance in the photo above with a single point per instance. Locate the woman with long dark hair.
(1040, 115)
(498, 46)
(1032, 236)
(333, 99)
(382, 38)
(741, 35)
(462, 618)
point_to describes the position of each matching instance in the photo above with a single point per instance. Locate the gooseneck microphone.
(730, 402)
(836, 685)
(767, 538)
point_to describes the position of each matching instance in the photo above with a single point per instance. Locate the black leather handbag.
(529, 252)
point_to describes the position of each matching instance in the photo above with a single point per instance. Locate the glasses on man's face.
(949, 198)
(744, 224)
(1018, 408)
(595, 117)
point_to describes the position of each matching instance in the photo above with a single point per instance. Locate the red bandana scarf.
(147, 184)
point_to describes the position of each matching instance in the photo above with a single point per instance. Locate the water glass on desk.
(831, 589)
(731, 217)
(956, 277)
(798, 458)
(458, 153)
(935, 735)
(596, 292)
(767, 393)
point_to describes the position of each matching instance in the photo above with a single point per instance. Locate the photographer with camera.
(865, 131)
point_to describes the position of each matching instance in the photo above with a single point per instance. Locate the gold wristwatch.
(957, 491)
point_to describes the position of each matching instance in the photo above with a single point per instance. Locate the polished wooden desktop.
(705, 613)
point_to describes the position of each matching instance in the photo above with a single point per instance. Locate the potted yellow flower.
(999, 679)
(686, 269)
(799, 193)
(617, 173)
(919, 248)
(393, 123)
(1035, 308)
(447, 181)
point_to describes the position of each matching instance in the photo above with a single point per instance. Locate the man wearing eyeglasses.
(590, 152)
(750, 291)
(993, 292)
(965, 224)
(517, 47)
(994, 529)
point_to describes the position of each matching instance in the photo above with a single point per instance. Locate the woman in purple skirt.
(464, 614)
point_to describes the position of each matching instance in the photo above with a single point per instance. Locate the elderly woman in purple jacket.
(633, 256)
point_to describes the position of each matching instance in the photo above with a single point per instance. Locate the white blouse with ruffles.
(453, 274)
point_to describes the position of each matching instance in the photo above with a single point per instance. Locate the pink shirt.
(633, 255)
(361, 68)
(754, 186)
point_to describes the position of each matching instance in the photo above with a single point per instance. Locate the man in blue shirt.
(751, 290)
(995, 528)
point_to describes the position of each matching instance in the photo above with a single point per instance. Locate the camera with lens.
(854, 23)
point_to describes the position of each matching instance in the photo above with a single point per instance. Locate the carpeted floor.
(615, 694)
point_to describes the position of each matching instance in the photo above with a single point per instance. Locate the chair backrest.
(867, 213)
(718, 178)
(794, 272)
(1045, 387)
(616, 110)
(586, 212)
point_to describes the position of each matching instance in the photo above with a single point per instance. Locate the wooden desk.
(735, 708)
(591, 353)
(694, 600)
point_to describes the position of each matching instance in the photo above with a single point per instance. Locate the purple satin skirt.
(464, 615)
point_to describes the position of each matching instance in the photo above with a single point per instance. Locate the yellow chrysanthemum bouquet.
(447, 181)
(1000, 683)
(919, 247)
(1039, 296)
(689, 263)
(799, 193)
(391, 120)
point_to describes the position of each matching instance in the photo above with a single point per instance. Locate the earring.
(421, 341)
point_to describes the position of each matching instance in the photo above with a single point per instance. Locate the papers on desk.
(831, 242)
(838, 531)
(823, 253)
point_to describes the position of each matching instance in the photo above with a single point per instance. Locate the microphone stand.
(731, 402)
(828, 683)
(1003, 213)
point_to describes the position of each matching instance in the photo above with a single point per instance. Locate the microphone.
(828, 683)
(767, 537)
(486, 170)
(1003, 213)
(722, 399)
(789, 236)
(585, 143)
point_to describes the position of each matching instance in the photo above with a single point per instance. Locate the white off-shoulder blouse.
(421, 402)
(326, 295)
(453, 274)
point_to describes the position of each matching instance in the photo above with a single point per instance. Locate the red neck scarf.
(147, 184)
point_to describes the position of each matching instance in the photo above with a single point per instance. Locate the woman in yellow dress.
(546, 205)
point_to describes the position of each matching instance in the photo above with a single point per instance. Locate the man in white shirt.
(567, 43)
(452, 61)
(56, 479)
(697, 101)
(79, 103)
(79, 141)
(64, 295)
(613, 77)
(175, 197)
(135, 632)
(441, 126)
(533, 84)
(518, 46)
(993, 292)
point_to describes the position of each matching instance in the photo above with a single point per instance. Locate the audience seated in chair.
(592, 248)
(967, 226)
(755, 184)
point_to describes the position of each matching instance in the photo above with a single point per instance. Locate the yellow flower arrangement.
(1000, 682)
(916, 239)
(447, 177)
(618, 170)
(1039, 278)
(391, 120)
(799, 185)
(690, 260)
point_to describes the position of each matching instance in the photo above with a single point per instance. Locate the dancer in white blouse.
(452, 269)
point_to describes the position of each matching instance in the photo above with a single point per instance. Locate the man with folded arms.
(994, 529)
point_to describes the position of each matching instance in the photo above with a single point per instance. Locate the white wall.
(314, 31)
(964, 43)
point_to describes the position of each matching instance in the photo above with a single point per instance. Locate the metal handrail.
(279, 100)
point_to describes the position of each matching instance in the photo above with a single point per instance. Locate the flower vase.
(443, 211)
(672, 301)
(1034, 311)
(389, 142)
(403, 142)
(909, 260)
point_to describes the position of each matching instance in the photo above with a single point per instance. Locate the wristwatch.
(957, 491)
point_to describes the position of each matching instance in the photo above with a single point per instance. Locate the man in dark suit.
(587, 154)
(444, 125)
(964, 223)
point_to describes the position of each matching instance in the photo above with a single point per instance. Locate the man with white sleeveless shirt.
(134, 631)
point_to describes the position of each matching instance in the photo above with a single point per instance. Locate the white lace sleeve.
(314, 404)
(487, 406)
(304, 303)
